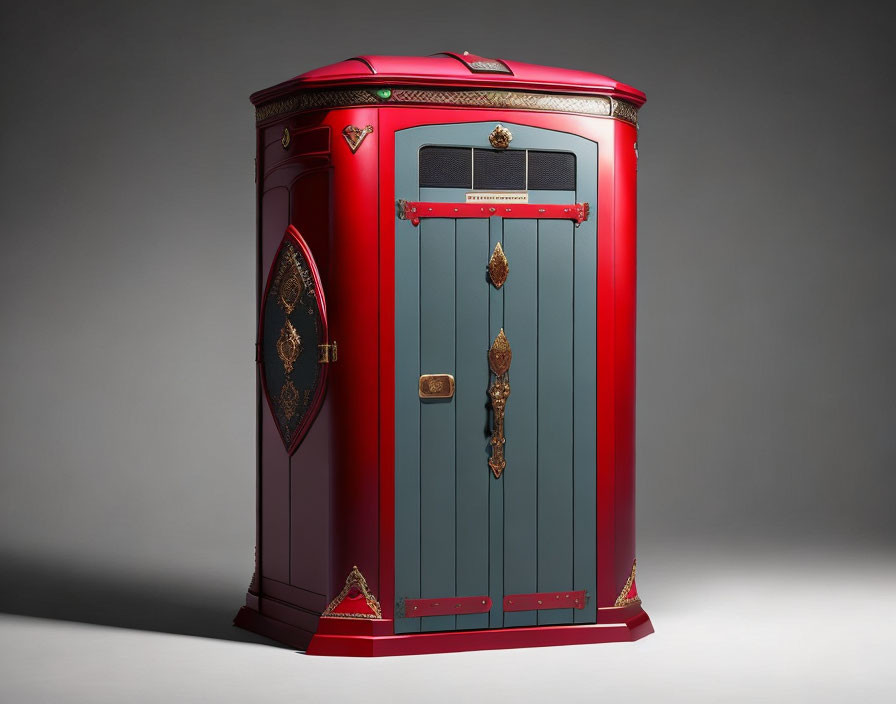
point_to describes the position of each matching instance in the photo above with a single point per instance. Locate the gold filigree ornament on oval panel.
(289, 346)
(288, 399)
(498, 267)
(290, 286)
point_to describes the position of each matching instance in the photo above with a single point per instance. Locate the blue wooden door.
(460, 531)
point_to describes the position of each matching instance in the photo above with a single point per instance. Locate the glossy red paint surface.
(354, 604)
(624, 291)
(634, 627)
(446, 69)
(343, 203)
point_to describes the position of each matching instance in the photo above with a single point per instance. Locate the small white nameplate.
(498, 197)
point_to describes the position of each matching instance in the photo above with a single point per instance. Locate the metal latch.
(327, 353)
(436, 386)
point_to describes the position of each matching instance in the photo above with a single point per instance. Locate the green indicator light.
(384, 93)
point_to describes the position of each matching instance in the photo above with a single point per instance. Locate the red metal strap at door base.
(414, 608)
(414, 211)
(545, 600)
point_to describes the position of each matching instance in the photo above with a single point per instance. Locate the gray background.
(766, 336)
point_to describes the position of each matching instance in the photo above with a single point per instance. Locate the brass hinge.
(327, 353)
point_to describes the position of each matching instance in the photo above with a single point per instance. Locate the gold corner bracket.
(355, 600)
(629, 593)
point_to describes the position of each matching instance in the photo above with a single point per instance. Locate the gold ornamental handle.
(499, 356)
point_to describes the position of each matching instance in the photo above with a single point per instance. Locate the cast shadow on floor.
(42, 590)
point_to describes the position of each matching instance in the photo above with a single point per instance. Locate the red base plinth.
(344, 637)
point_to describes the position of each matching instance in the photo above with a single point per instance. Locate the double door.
(495, 347)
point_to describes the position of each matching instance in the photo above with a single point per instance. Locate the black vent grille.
(552, 171)
(494, 169)
(446, 167)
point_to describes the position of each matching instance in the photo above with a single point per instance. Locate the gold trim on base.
(355, 580)
(621, 600)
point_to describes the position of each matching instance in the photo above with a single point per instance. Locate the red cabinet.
(408, 509)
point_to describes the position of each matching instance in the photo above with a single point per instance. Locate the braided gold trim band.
(595, 105)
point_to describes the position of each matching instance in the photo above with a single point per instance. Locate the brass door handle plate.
(436, 386)
(499, 357)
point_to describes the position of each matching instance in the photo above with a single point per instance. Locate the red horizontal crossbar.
(544, 600)
(414, 608)
(414, 211)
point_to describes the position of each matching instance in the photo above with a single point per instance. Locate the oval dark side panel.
(293, 324)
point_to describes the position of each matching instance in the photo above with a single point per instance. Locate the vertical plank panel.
(471, 439)
(555, 421)
(437, 485)
(407, 405)
(585, 393)
(521, 476)
(496, 486)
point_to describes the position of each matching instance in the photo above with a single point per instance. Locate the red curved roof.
(452, 69)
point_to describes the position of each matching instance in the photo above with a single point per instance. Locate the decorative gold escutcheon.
(436, 386)
(498, 267)
(354, 136)
(500, 137)
(285, 139)
(499, 357)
